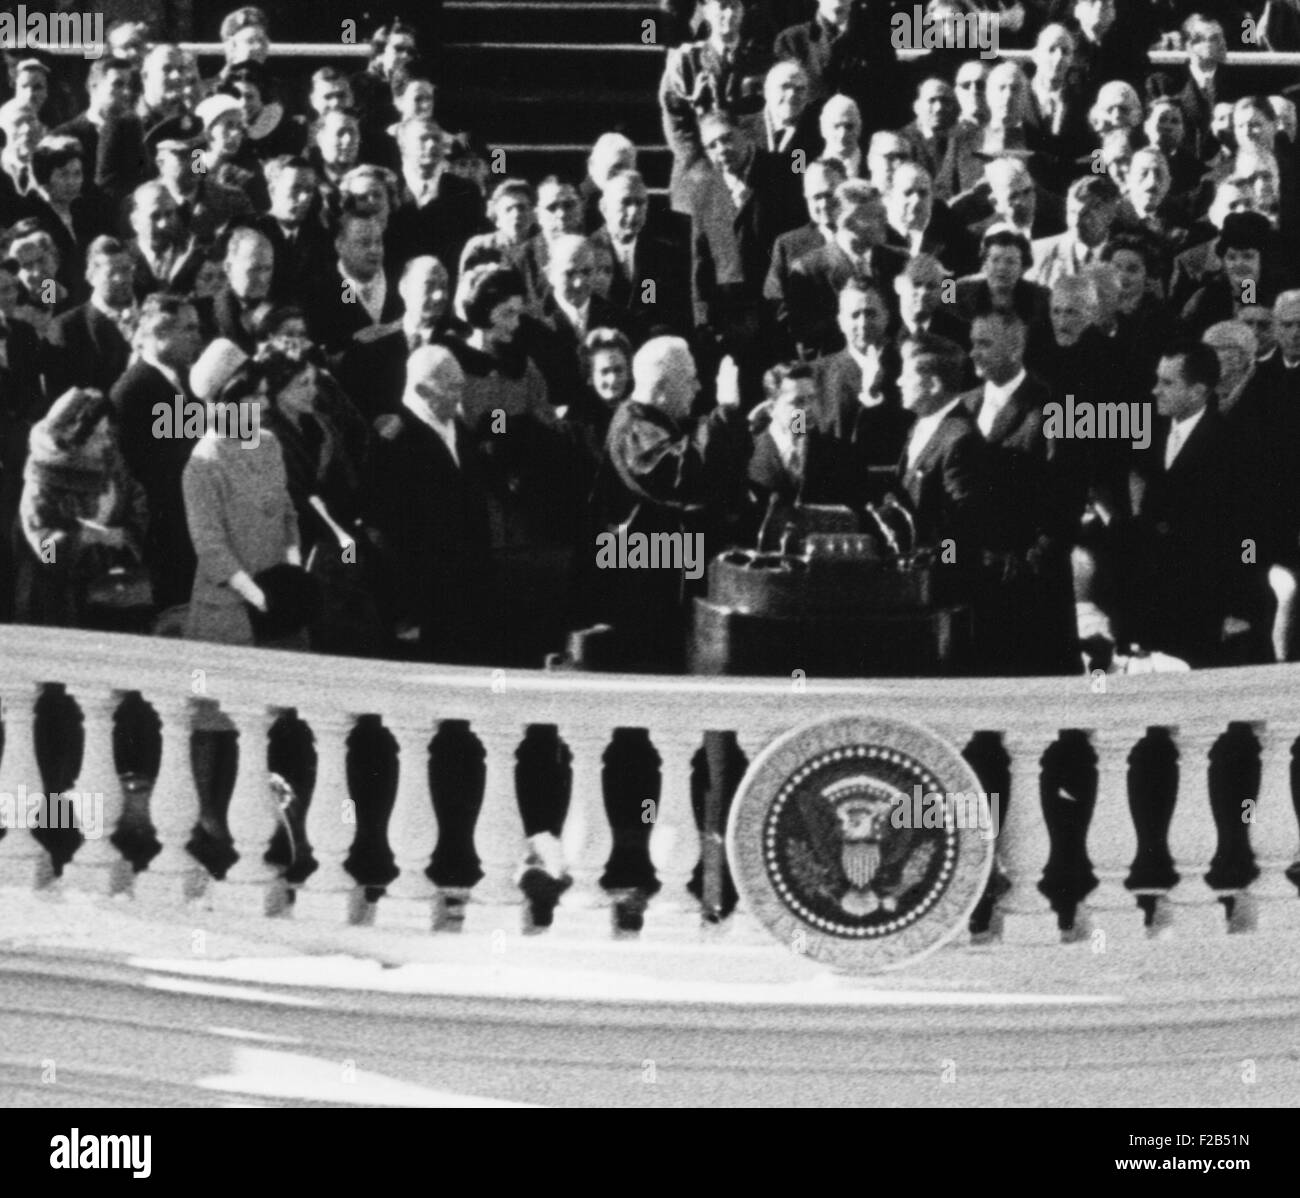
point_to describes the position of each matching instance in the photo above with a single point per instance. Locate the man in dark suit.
(357, 300)
(1205, 82)
(204, 206)
(788, 123)
(739, 203)
(569, 312)
(165, 258)
(857, 388)
(110, 133)
(921, 307)
(299, 241)
(373, 373)
(793, 460)
(168, 339)
(1012, 198)
(942, 472)
(810, 312)
(936, 139)
(439, 211)
(429, 508)
(1026, 610)
(249, 266)
(1180, 565)
(921, 224)
(645, 254)
(89, 346)
(819, 183)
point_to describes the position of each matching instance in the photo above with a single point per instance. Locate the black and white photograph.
(649, 554)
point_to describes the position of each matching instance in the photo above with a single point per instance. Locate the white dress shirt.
(1179, 431)
(995, 399)
(869, 364)
(737, 188)
(924, 429)
(424, 190)
(578, 317)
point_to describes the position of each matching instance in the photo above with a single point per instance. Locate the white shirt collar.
(376, 289)
(996, 397)
(578, 317)
(1182, 430)
(418, 184)
(869, 364)
(112, 314)
(925, 428)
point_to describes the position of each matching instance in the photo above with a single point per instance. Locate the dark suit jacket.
(946, 489)
(1031, 302)
(157, 464)
(827, 478)
(553, 343)
(442, 226)
(810, 312)
(298, 268)
(221, 316)
(90, 218)
(333, 324)
(431, 517)
(774, 206)
(786, 251)
(1197, 109)
(945, 238)
(1182, 566)
(876, 434)
(87, 349)
(663, 257)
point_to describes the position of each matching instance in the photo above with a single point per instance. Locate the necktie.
(798, 458)
(24, 181)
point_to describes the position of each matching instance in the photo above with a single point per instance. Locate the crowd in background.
(873, 276)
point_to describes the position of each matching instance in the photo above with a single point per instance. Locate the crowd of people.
(460, 377)
(426, 385)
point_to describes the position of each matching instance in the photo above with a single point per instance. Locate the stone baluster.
(752, 742)
(675, 841)
(1112, 838)
(251, 815)
(1023, 842)
(1192, 835)
(587, 839)
(499, 835)
(413, 828)
(21, 854)
(97, 866)
(331, 821)
(173, 810)
(1273, 832)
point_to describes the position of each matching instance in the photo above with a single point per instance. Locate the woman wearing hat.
(1241, 247)
(226, 159)
(241, 519)
(269, 130)
(81, 511)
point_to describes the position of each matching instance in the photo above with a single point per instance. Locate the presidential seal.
(825, 848)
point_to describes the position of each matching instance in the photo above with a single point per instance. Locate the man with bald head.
(428, 506)
(643, 252)
(373, 373)
(787, 124)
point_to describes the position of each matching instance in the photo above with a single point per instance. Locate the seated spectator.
(1241, 247)
(72, 216)
(269, 129)
(921, 224)
(222, 157)
(23, 132)
(812, 300)
(650, 286)
(1001, 286)
(1091, 206)
(356, 300)
(91, 343)
(335, 150)
(611, 154)
(512, 208)
(205, 206)
(841, 130)
(723, 74)
(248, 268)
(81, 513)
(439, 212)
(301, 244)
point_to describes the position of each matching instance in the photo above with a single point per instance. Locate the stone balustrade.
(1158, 864)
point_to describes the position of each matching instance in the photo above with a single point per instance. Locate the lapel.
(765, 467)
(101, 331)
